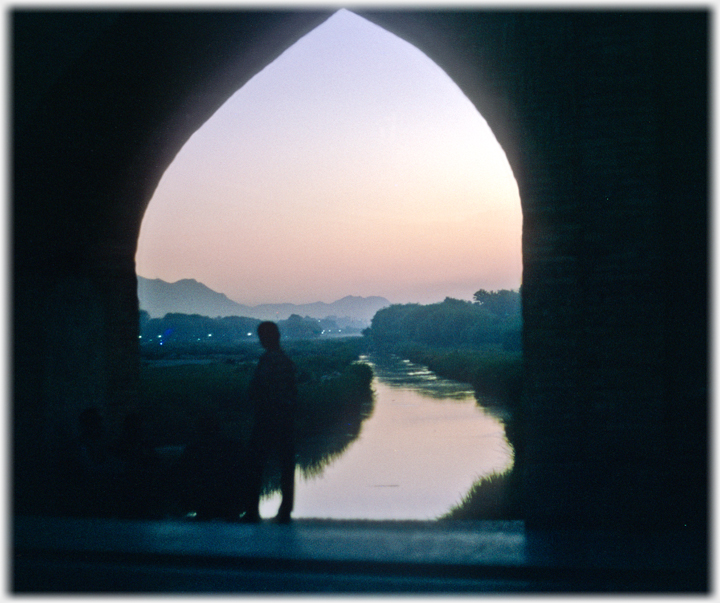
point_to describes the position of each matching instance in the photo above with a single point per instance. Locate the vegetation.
(496, 375)
(451, 323)
(489, 498)
(181, 449)
(475, 342)
(204, 334)
(183, 387)
(501, 303)
(175, 397)
(183, 383)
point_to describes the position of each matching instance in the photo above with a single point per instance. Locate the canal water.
(420, 451)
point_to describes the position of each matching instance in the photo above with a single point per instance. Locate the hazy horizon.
(351, 165)
(284, 301)
(272, 302)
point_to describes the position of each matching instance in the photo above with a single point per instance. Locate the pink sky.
(352, 165)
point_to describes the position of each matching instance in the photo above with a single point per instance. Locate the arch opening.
(374, 156)
(609, 358)
(350, 166)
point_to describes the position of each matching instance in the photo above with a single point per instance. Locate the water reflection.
(330, 418)
(314, 453)
(425, 444)
(400, 372)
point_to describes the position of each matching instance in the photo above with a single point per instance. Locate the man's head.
(269, 335)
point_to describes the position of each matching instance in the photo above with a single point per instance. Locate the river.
(418, 454)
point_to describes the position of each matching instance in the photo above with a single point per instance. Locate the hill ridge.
(190, 296)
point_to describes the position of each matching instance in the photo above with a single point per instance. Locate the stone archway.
(603, 117)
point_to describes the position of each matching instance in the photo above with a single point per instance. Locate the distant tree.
(503, 303)
(453, 322)
(177, 327)
(296, 327)
(236, 328)
(394, 324)
(329, 324)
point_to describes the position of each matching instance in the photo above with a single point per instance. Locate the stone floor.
(63, 555)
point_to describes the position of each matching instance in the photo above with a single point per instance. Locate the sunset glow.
(351, 165)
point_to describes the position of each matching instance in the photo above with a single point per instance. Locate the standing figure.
(273, 395)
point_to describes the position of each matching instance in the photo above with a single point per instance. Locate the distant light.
(139, 336)
(209, 334)
(249, 334)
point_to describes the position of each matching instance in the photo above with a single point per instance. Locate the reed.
(332, 390)
(492, 372)
(493, 497)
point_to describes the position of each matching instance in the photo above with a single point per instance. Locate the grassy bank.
(489, 498)
(496, 377)
(184, 387)
(176, 390)
(334, 399)
(492, 372)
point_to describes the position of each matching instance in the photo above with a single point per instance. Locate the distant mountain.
(188, 296)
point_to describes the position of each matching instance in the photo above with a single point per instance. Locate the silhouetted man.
(273, 395)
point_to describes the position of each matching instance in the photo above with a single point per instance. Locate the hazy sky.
(351, 165)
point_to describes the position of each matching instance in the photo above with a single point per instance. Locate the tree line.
(492, 319)
(177, 328)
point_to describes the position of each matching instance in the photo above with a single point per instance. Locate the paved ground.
(313, 556)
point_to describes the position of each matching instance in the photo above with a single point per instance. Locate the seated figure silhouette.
(92, 472)
(140, 486)
(209, 474)
(273, 396)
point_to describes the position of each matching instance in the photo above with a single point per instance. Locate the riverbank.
(493, 372)
(419, 453)
(185, 439)
(496, 377)
(334, 398)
